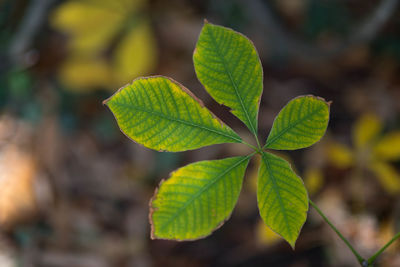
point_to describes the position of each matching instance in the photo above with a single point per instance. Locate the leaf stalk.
(250, 145)
(360, 259)
(379, 252)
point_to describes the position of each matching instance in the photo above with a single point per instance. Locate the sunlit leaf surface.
(228, 66)
(301, 123)
(197, 198)
(282, 197)
(163, 115)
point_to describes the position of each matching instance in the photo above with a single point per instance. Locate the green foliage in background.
(163, 115)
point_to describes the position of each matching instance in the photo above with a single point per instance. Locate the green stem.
(258, 142)
(249, 145)
(252, 154)
(373, 258)
(359, 258)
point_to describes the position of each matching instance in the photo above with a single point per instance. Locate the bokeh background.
(74, 191)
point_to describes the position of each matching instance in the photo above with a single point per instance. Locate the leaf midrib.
(276, 189)
(201, 191)
(178, 120)
(288, 128)
(224, 64)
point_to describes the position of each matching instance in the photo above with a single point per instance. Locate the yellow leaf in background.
(366, 130)
(387, 176)
(81, 74)
(136, 54)
(340, 155)
(90, 26)
(110, 43)
(313, 179)
(388, 147)
(266, 236)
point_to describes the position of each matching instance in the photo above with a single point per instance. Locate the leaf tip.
(315, 97)
(328, 103)
(105, 101)
(292, 244)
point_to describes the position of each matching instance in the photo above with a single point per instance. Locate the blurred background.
(74, 191)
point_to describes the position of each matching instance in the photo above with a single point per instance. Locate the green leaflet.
(163, 115)
(282, 198)
(197, 199)
(301, 123)
(228, 66)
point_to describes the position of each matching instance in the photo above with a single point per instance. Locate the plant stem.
(359, 258)
(252, 154)
(258, 143)
(373, 258)
(249, 145)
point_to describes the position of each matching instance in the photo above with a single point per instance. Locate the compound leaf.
(197, 199)
(282, 198)
(161, 114)
(228, 66)
(301, 123)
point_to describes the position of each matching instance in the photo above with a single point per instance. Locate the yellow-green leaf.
(265, 236)
(388, 148)
(340, 155)
(314, 179)
(90, 24)
(301, 123)
(161, 114)
(197, 199)
(366, 130)
(282, 198)
(388, 176)
(109, 42)
(81, 73)
(228, 66)
(136, 54)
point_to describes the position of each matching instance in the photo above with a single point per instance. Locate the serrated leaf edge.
(255, 129)
(328, 103)
(184, 89)
(152, 210)
(292, 244)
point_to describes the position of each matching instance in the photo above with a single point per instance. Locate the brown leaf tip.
(105, 101)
